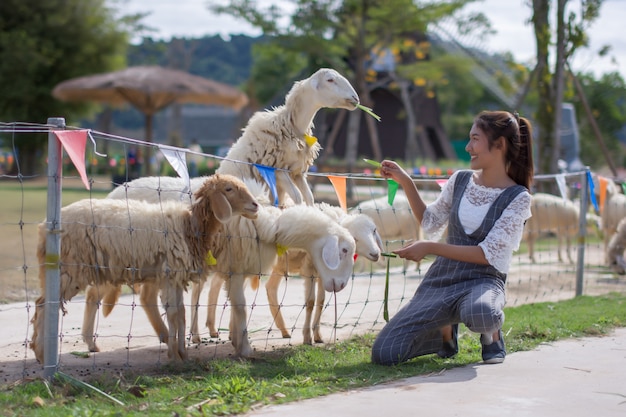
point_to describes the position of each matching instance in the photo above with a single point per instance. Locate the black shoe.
(494, 352)
(451, 347)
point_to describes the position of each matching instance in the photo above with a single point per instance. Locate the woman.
(484, 209)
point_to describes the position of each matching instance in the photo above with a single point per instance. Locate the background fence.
(125, 337)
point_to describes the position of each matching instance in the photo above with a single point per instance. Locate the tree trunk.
(545, 108)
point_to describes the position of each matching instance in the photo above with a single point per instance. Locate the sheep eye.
(345, 250)
(331, 80)
(229, 189)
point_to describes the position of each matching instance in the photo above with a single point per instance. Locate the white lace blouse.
(506, 234)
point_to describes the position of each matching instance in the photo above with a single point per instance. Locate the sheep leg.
(271, 287)
(109, 298)
(214, 292)
(309, 299)
(530, 241)
(93, 298)
(239, 331)
(303, 186)
(319, 304)
(172, 299)
(196, 289)
(36, 343)
(149, 298)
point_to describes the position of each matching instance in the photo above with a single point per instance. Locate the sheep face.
(229, 197)
(333, 257)
(332, 90)
(363, 229)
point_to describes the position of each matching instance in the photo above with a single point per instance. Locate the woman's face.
(478, 149)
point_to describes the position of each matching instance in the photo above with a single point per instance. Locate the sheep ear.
(221, 208)
(330, 252)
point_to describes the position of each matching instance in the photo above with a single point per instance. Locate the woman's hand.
(416, 251)
(390, 169)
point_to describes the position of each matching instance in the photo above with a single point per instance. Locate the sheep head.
(332, 90)
(228, 197)
(330, 245)
(368, 242)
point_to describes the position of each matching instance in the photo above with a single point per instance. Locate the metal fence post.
(53, 246)
(582, 232)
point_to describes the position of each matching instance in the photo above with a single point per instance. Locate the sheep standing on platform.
(368, 245)
(282, 138)
(165, 245)
(248, 248)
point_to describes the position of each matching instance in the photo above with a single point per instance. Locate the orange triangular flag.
(74, 142)
(603, 184)
(340, 189)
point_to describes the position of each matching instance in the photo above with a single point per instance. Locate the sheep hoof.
(286, 335)
(195, 339)
(214, 334)
(94, 349)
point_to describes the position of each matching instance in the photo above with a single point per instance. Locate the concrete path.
(571, 378)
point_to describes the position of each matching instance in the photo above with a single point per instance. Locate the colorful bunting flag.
(74, 141)
(339, 183)
(592, 192)
(178, 161)
(392, 188)
(560, 182)
(269, 175)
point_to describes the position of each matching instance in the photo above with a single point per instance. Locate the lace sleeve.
(506, 234)
(437, 213)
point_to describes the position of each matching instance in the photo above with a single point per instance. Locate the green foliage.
(43, 43)
(225, 387)
(606, 99)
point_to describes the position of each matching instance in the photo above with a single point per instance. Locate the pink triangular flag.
(339, 183)
(74, 142)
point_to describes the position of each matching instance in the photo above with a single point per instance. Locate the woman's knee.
(483, 318)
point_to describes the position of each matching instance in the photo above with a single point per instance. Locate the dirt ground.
(127, 341)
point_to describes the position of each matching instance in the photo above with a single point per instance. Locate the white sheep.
(395, 223)
(249, 248)
(553, 214)
(278, 138)
(113, 242)
(616, 247)
(368, 245)
(612, 213)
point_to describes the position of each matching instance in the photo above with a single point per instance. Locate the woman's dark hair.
(517, 131)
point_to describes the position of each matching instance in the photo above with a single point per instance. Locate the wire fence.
(126, 338)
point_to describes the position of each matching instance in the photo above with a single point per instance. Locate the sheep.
(395, 223)
(554, 214)
(613, 212)
(113, 242)
(616, 247)
(281, 138)
(368, 245)
(249, 248)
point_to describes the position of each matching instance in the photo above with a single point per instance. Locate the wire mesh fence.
(126, 338)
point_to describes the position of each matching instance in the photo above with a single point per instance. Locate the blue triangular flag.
(592, 192)
(269, 175)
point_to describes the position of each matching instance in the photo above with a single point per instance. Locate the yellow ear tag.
(210, 259)
(310, 140)
(280, 249)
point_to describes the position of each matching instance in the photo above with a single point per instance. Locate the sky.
(191, 18)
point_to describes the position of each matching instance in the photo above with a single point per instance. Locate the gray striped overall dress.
(451, 292)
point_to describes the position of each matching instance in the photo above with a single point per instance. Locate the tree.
(570, 36)
(45, 42)
(343, 35)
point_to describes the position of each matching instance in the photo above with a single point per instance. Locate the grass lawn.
(226, 387)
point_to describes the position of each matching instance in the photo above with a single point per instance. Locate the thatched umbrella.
(149, 89)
